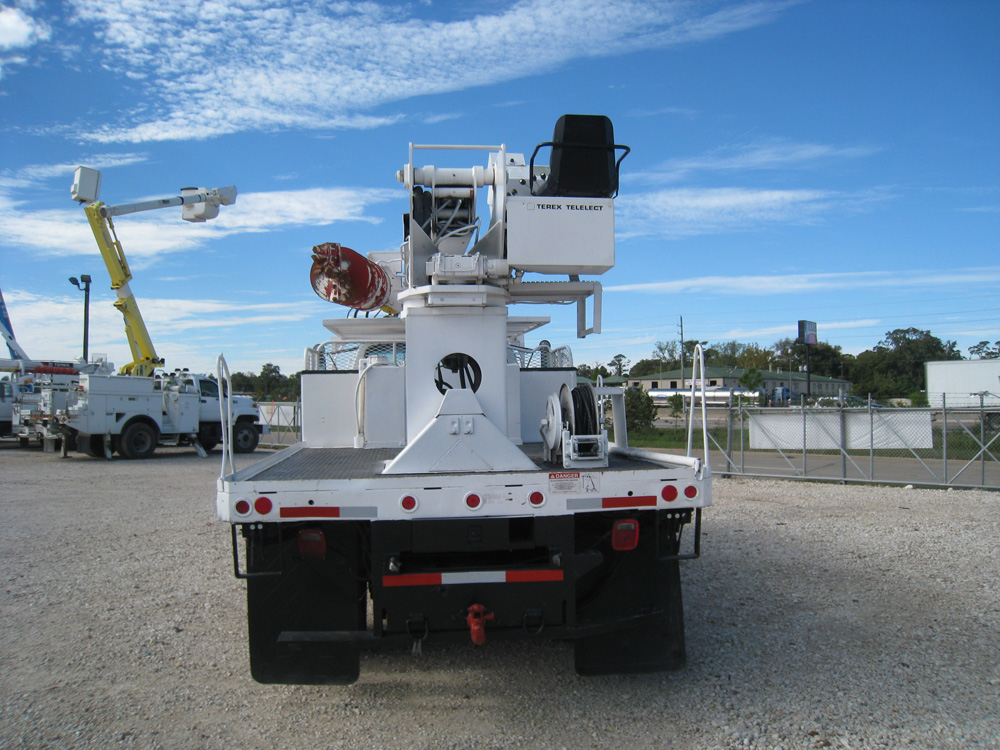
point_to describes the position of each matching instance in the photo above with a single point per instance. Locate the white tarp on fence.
(821, 430)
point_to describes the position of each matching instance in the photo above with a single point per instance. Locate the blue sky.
(832, 161)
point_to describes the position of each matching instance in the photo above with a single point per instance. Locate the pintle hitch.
(476, 620)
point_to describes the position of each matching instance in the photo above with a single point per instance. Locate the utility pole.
(681, 327)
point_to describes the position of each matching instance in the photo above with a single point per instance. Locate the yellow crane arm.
(144, 357)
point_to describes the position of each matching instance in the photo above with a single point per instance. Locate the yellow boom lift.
(198, 204)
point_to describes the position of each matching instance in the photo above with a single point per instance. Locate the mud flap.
(658, 647)
(301, 622)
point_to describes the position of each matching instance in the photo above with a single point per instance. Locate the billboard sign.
(807, 332)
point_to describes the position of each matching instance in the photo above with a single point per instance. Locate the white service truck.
(452, 482)
(132, 415)
(145, 406)
(41, 393)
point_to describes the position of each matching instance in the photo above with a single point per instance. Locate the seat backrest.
(583, 158)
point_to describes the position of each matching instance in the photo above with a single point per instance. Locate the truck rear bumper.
(319, 592)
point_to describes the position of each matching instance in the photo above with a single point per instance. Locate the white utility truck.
(36, 389)
(145, 405)
(452, 482)
(132, 415)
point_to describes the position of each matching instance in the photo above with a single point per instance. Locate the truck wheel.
(209, 435)
(245, 437)
(138, 440)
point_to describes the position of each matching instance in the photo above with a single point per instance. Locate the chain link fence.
(284, 418)
(927, 446)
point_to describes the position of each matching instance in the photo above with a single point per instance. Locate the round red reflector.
(536, 498)
(242, 507)
(409, 502)
(690, 491)
(262, 505)
(669, 493)
(473, 501)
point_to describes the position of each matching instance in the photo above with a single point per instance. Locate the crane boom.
(198, 204)
(144, 356)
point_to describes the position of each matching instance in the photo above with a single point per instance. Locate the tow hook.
(476, 620)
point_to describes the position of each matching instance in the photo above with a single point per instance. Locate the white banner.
(821, 430)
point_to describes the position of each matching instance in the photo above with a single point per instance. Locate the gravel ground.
(818, 616)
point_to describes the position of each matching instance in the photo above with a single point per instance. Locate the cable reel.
(573, 415)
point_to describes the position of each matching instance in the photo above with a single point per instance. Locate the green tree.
(270, 381)
(639, 410)
(983, 350)
(751, 379)
(243, 382)
(755, 357)
(646, 367)
(726, 354)
(895, 367)
(667, 353)
(618, 364)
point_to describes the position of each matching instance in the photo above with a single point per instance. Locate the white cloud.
(817, 282)
(764, 155)
(691, 211)
(217, 66)
(18, 29)
(49, 327)
(742, 334)
(64, 232)
(33, 174)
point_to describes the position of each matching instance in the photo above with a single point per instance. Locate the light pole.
(85, 279)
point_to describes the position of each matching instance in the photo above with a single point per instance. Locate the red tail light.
(473, 501)
(409, 503)
(263, 505)
(669, 493)
(536, 498)
(691, 492)
(625, 534)
(312, 544)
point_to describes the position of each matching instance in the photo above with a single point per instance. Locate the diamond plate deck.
(353, 463)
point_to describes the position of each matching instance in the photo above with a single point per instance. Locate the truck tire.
(209, 435)
(245, 437)
(138, 440)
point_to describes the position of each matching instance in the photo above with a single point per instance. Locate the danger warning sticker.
(571, 482)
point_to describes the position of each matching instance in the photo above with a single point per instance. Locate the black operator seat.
(582, 163)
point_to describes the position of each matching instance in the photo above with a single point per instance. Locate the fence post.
(729, 437)
(843, 441)
(982, 439)
(743, 453)
(805, 441)
(871, 440)
(944, 434)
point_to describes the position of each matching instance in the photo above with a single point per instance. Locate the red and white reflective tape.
(486, 576)
(603, 503)
(328, 511)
